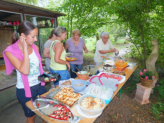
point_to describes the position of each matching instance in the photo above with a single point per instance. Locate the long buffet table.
(73, 108)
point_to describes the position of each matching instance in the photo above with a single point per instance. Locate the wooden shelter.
(12, 13)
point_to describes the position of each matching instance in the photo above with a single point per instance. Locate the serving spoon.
(42, 107)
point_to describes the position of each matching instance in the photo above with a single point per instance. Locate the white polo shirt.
(101, 46)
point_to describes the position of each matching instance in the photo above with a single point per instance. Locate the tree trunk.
(150, 62)
(68, 24)
(143, 44)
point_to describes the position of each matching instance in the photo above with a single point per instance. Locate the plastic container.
(100, 91)
(120, 65)
(90, 111)
(78, 85)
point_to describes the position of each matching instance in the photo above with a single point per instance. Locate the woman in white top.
(103, 47)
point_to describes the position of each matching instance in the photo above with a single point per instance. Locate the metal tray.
(49, 108)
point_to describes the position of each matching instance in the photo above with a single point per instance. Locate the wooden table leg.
(120, 93)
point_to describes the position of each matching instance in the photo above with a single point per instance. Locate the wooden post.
(40, 42)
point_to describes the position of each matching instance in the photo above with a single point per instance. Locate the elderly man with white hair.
(103, 47)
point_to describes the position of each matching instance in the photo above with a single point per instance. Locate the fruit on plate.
(46, 79)
(52, 79)
(62, 113)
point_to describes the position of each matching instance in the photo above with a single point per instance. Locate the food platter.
(107, 79)
(119, 78)
(53, 109)
(86, 115)
(65, 83)
(69, 54)
(70, 59)
(91, 105)
(64, 95)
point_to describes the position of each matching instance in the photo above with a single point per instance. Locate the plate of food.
(65, 83)
(70, 59)
(92, 106)
(53, 109)
(67, 96)
(105, 57)
(69, 54)
(109, 62)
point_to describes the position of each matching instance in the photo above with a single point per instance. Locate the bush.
(158, 107)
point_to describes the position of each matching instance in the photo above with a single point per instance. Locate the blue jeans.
(73, 68)
(64, 74)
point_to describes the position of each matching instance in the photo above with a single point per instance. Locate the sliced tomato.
(38, 104)
(52, 79)
(65, 118)
(55, 105)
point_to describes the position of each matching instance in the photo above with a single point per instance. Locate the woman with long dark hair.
(23, 56)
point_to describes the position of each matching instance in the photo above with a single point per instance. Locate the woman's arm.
(85, 48)
(58, 49)
(107, 51)
(46, 52)
(22, 66)
(66, 47)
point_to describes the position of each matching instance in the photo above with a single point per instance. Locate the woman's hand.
(86, 51)
(23, 42)
(47, 72)
(68, 65)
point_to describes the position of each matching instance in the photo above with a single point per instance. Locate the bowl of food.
(69, 54)
(107, 67)
(78, 85)
(70, 58)
(120, 65)
(93, 71)
(84, 75)
(91, 105)
(109, 62)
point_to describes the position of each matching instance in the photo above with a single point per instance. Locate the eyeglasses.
(64, 29)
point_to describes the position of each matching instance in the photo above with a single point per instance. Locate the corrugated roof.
(15, 6)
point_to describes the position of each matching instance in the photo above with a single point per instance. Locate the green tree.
(32, 2)
(137, 15)
(85, 15)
